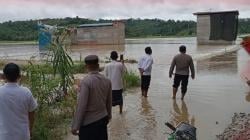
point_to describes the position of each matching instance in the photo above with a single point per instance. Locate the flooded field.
(217, 92)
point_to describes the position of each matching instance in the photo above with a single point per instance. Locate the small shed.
(100, 34)
(217, 27)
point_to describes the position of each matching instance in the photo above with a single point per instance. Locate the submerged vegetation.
(134, 28)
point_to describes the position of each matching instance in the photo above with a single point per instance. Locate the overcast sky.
(116, 9)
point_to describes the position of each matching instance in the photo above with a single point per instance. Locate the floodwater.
(218, 90)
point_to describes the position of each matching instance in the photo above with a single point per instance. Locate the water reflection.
(180, 114)
(149, 124)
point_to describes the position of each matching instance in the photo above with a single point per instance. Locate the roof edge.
(216, 12)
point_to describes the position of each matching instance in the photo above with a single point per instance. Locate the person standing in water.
(94, 104)
(145, 68)
(114, 71)
(182, 63)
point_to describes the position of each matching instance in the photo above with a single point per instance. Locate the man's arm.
(124, 68)
(140, 66)
(109, 102)
(82, 101)
(173, 63)
(106, 71)
(149, 63)
(32, 105)
(192, 69)
(31, 121)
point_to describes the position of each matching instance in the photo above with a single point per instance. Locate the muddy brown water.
(218, 90)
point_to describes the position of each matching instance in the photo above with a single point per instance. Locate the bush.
(131, 80)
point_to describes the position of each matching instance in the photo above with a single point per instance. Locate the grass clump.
(131, 79)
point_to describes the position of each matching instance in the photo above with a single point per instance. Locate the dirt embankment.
(239, 129)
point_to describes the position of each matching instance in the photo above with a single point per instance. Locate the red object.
(246, 44)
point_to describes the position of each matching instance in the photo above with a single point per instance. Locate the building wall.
(203, 32)
(203, 29)
(105, 35)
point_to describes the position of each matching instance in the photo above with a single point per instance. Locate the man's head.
(182, 49)
(11, 72)
(148, 50)
(91, 62)
(114, 55)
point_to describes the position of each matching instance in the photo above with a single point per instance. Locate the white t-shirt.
(114, 71)
(146, 63)
(15, 104)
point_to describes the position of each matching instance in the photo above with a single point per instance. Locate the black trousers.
(145, 82)
(183, 79)
(95, 131)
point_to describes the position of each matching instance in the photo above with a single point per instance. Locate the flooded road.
(217, 92)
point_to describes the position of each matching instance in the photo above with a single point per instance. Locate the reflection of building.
(217, 27)
(100, 34)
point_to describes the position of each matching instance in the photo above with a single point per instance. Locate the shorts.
(183, 79)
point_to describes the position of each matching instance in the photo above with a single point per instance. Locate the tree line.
(134, 28)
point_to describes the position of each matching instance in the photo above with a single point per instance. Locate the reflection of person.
(17, 107)
(94, 103)
(181, 115)
(115, 71)
(181, 62)
(145, 68)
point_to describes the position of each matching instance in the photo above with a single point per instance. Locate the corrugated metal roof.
(218, 12)
(95, 25)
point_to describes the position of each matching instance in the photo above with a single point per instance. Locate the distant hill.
(135, 28)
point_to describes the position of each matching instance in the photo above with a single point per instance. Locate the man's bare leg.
(174, 92)
(142, 92)
(146, 93)
(121, 106)
(182, 96)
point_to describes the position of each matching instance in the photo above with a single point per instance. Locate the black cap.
(91, 59)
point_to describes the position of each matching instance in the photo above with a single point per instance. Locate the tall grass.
(131, 79)
(49, 83)
(54, 109)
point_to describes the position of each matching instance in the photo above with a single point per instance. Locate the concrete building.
(217, 27)
(99, 34)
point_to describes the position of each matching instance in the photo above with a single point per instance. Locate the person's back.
(183, 62)
(94, 104)
(145, 63)
(16, 102)
(114, 71)
(145, 67)
(97, 99)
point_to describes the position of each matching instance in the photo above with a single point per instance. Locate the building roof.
(95, 25)
(217, 12)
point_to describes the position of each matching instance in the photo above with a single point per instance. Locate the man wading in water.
(145, 68)
(181, 62)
